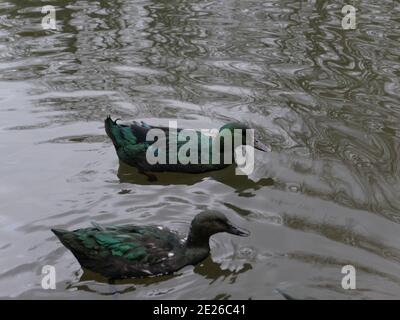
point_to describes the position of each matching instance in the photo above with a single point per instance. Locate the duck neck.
(198, 239)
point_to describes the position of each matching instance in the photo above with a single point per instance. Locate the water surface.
(324, 99)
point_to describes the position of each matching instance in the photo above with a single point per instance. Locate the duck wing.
(132, 134)
(131, 145)
(140, 244)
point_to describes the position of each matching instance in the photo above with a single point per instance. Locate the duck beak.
(238, 231)
(261, 146)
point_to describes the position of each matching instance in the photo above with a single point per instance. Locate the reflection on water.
(127, 174)
(325, 99)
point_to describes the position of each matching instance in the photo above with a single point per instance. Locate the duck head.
(208, 223)
(242, 127)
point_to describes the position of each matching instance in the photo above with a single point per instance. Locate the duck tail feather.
(112, 129)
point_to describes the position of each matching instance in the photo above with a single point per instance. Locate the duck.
(131, 146)
(134, 251)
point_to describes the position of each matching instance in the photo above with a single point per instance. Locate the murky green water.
(326, 100)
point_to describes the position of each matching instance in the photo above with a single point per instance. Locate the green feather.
(137, 254)
(106, 239)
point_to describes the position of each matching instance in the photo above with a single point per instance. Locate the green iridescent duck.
(131, 145)
(128, 251)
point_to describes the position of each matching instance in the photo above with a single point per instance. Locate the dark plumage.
(131, 146)
(128, 251)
